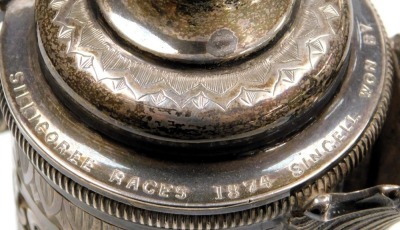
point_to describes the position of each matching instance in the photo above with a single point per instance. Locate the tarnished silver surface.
(244, 104)
(106, 184)
(373, 208)
(192, 185)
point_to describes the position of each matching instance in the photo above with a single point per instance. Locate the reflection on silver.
(200, 32)
(66, 73)
(148, 39)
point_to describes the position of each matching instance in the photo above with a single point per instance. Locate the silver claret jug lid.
(195, 74)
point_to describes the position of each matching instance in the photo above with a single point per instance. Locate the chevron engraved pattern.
(302, 48)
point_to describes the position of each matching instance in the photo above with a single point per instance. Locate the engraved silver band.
(125, 186)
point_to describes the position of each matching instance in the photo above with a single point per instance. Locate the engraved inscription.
(306, 160)
(367, 37)
(235, 191)
(150, 187)
(369, 78)
(43, 128)
(54, 140)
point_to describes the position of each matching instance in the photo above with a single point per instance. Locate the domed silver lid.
(255, 99)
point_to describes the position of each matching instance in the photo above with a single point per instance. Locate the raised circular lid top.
(127, 94)
(197, 31)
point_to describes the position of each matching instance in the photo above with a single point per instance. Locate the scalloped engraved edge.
(95, 53)
(242, 218)
(221, 221)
